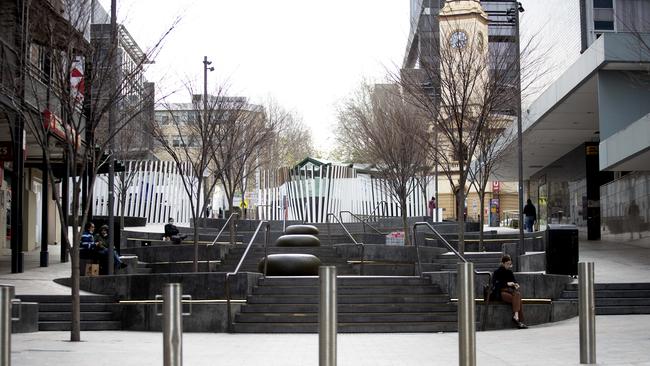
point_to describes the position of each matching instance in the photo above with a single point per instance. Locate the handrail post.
(172, 325)
(466, 321)
(267, 234)
(228, 310)
(6, 293)
(327, 316)
(587, 306)
(417, 252)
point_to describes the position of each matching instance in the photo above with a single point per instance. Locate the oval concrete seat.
(290, 264)
(297, 240)
(301, 229)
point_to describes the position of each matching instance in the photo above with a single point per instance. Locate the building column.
(593, 190)
(45, 199)
(17, 187)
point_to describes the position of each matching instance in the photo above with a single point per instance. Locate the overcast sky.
(308, 55)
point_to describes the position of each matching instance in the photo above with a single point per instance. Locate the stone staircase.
(326, 254)
(616, 298)
(366, 304)
(54, 312)
(483, 261)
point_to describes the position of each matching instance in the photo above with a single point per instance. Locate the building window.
(603, 15)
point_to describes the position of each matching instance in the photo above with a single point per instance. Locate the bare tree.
(191, 134)
(464, 88)
(67, 94)
(244, 138)
(489, 153)
(381, 127)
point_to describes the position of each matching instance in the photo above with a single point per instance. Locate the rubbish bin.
(562, 249)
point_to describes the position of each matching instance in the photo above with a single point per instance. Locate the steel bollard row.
(327, 319)
(172, 313)
(466, 315)
(6, 295)
(587, 312)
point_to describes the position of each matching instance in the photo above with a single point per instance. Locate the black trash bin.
(562, 249)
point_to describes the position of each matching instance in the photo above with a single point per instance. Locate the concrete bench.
(131, 262)
(498, 314)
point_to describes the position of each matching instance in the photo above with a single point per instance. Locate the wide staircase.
(365, 305)
(326, 254)
(54, 312)
(616, 298)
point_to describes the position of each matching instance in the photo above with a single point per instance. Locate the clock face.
(458, 39)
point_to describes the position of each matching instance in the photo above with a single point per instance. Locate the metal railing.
(219, 234)
(267, 231)
(359, 245)
(363, 221)
(380, 204)
(449, 246)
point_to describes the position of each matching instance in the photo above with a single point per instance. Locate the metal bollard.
(466, 321)
(6, 293)
(327, 321)
(587, 308)
(172, 325)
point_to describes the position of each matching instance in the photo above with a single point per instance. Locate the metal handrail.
(329, 238)
(217, 237)
(224, 226)
(267, 231)
(363, 222)
(449, 246)
(379, 204)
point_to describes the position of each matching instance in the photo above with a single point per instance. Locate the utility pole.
(113, 70)
(514, 13)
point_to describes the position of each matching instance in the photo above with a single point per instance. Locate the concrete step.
(55, 312)
(312, 317)
(345, 290)
(614, 286)
(349, 299)
(623, 310)
(66, 316)
(351, 308)
(85, 325)
(611, 294)
(388, 327)
(344, 280)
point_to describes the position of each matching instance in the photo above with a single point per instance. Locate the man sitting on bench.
(506, 288)
(172, 233)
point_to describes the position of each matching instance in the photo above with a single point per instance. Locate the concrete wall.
(202, 318)
(622, 100)
(202, 285)
(533, 285)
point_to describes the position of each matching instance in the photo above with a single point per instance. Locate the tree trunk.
(461, 218)
(405, 224)
(196, 243)
(481, 196)
(231, 225)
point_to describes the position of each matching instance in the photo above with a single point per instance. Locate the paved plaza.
(621, 339)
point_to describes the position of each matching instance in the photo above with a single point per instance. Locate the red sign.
(53, 124)
(496, 186)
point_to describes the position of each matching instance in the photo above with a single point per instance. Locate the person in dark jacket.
(530, 216)
(506, 288)
(101, 246)
(87, 242)
(172, 233)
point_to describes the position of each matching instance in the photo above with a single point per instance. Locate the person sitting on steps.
(87, 242)
(101, 246)
(172, 233)
(506, 288)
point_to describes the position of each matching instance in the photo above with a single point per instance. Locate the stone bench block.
(297, 240)
(290, 264)
(131, 262)
(301, 229)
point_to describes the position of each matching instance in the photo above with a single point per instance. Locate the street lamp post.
(206, 63)
(514, 18)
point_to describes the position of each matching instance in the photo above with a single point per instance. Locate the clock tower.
(463, 23)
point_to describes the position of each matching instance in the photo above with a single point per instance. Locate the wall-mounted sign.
(6, 151)
(54, 124)
(496, 186)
